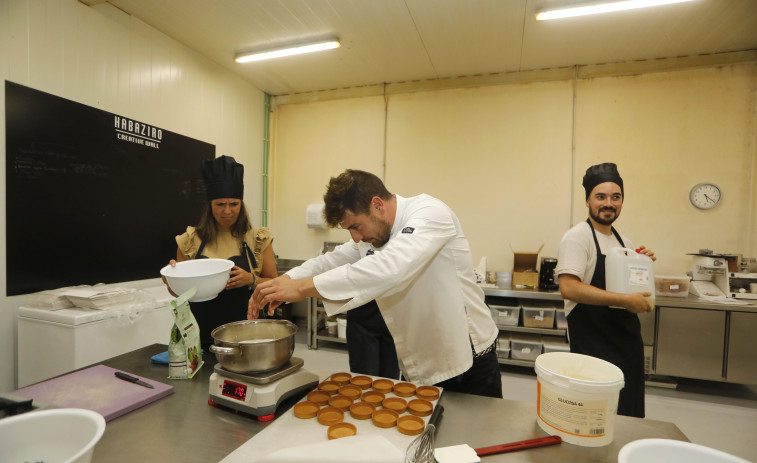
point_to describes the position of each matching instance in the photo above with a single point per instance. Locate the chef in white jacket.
(419, 269)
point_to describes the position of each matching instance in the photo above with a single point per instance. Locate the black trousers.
(483, 378)
(369, 344)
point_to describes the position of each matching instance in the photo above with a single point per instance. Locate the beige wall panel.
(667, 132)
(315, 142)
(106, 59)
(499, 156)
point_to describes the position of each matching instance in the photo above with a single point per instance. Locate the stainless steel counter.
(179, 428)
(689, 302)
(183, 427)
(481, 422)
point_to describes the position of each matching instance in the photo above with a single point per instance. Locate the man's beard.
(598, 216)
(384, 232)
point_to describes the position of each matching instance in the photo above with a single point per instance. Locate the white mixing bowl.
(209, 276)
(672, 451)
(61, 435)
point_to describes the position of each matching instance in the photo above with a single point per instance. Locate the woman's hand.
(172, 263)
(239, 277)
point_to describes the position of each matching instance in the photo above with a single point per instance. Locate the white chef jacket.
(423, 282)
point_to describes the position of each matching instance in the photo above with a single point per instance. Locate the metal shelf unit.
(525, 294)
(316, 325)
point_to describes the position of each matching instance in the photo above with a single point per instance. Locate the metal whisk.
(421, 449)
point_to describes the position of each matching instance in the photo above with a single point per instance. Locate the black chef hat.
(223, 178)
(601, 173)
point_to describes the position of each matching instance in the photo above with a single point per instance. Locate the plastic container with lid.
(671, 285)
(538, 314)
(525, 346)
(505, 315)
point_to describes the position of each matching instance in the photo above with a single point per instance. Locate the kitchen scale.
(259, 393)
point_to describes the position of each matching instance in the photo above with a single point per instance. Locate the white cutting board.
(288, 431)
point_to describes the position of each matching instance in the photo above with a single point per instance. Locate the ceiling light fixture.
(259, 55)
(584, 9)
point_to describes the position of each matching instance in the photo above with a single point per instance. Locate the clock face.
(705, 195)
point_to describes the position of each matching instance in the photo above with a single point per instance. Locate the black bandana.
(601, 173)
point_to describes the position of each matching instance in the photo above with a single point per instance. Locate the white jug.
(628, 272)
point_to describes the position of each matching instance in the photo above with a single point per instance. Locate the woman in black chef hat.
(225, 232)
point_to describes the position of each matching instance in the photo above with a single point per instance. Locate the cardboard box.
(525, 271)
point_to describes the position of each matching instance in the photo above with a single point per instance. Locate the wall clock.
(705, 195)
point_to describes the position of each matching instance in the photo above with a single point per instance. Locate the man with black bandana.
(594, 327)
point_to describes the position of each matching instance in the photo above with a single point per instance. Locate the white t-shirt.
(423, 282)
(577, 254)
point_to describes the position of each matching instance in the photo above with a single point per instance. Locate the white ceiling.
(390, 41)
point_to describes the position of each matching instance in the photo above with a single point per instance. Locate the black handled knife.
(131, 379)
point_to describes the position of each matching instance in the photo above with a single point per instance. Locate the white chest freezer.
(53, 342)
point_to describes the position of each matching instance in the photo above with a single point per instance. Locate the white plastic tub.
(577, 397)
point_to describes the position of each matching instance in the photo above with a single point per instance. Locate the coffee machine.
(547, 274)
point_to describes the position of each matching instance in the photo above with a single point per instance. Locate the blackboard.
(92, 196)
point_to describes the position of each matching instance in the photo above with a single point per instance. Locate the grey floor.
(717, 415)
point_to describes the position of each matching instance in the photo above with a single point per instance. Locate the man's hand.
(647, 252)
(277, 291)
(638, 303)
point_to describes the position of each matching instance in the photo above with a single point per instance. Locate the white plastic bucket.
(628, 272)
(341, 327)
(577, 397)
(667, 451)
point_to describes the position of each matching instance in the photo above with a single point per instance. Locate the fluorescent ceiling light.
(583, 9)
(298, 49)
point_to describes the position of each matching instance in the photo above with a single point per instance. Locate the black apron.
(613, 335)
(229, 306)
(370, 345)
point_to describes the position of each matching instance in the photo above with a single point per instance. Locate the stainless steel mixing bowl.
(254, 345)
